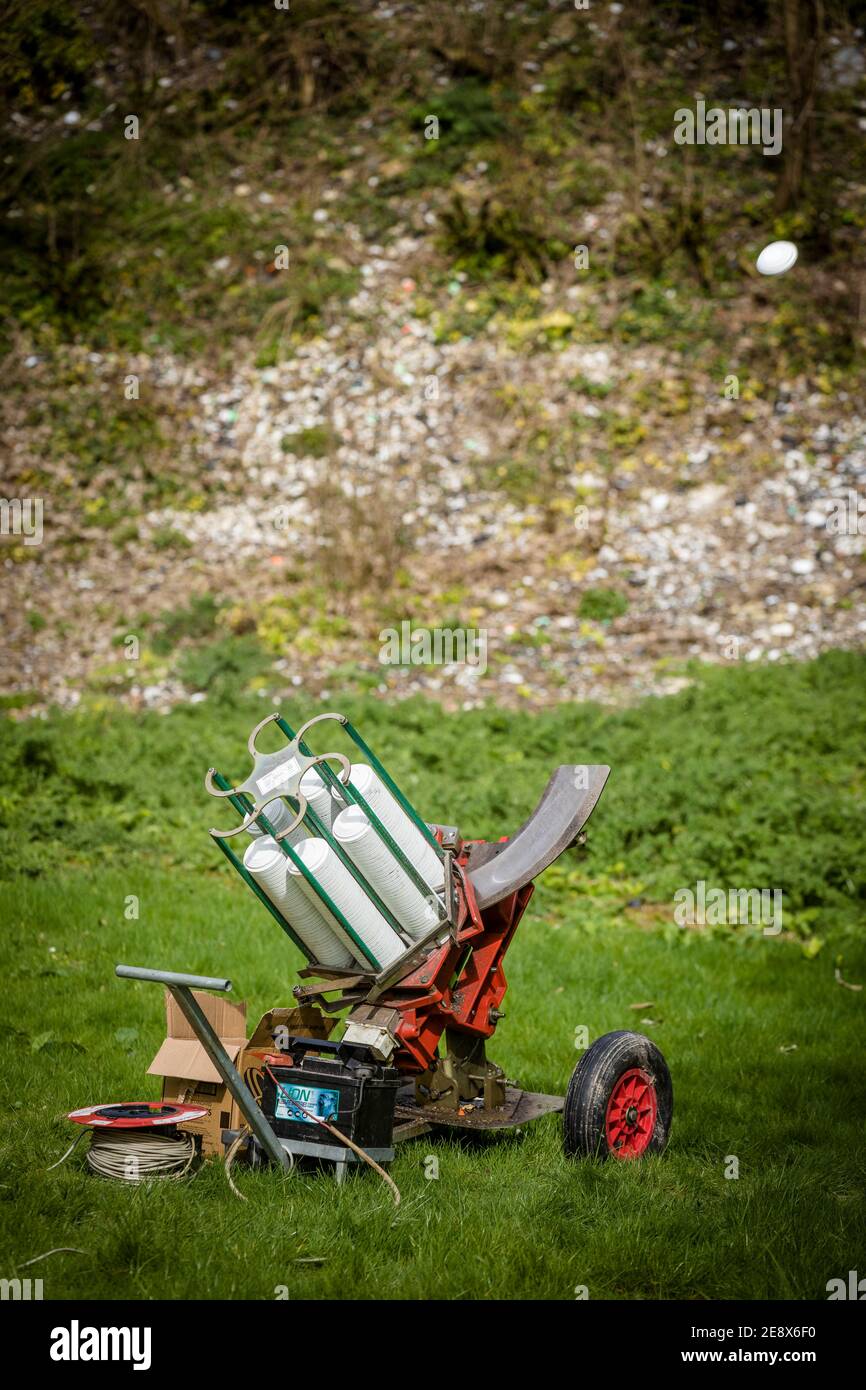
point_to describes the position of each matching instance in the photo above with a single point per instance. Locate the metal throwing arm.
(566, 805)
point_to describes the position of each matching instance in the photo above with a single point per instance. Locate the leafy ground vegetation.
(542, 115)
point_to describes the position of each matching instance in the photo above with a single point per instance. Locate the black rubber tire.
(592, 1083)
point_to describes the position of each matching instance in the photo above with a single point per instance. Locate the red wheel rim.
(631, 1114)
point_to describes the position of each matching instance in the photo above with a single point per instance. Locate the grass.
(753, 777)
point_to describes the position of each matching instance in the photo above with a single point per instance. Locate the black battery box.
(315, 1083)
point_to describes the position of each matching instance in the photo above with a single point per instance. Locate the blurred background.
(319, 320)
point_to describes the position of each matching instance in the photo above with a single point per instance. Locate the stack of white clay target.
(285, 885)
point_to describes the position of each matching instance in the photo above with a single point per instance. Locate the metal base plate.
(336, 1153)
(519, 1109)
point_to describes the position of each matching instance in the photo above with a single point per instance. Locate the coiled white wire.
(132, 1155)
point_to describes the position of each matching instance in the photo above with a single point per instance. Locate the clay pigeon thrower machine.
(404, 926)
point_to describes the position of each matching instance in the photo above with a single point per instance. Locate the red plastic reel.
(135, 1114)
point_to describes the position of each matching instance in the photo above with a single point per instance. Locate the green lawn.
(752, 778)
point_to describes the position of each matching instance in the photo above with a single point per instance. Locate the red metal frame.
(462, 983)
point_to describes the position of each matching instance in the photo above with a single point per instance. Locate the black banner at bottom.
(243, 1338)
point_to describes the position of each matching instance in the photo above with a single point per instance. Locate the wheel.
(619, 1101)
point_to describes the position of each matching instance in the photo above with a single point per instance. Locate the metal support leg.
(180, 986)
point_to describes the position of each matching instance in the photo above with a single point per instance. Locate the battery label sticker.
(317, 1103)
(278, 777)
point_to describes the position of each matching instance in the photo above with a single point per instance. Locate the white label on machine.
(278, 777)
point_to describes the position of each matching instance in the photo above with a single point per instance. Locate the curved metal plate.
(567, 803)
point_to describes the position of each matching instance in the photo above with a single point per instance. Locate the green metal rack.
(284, 770)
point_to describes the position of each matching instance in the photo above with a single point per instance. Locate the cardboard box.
(190, 1077)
